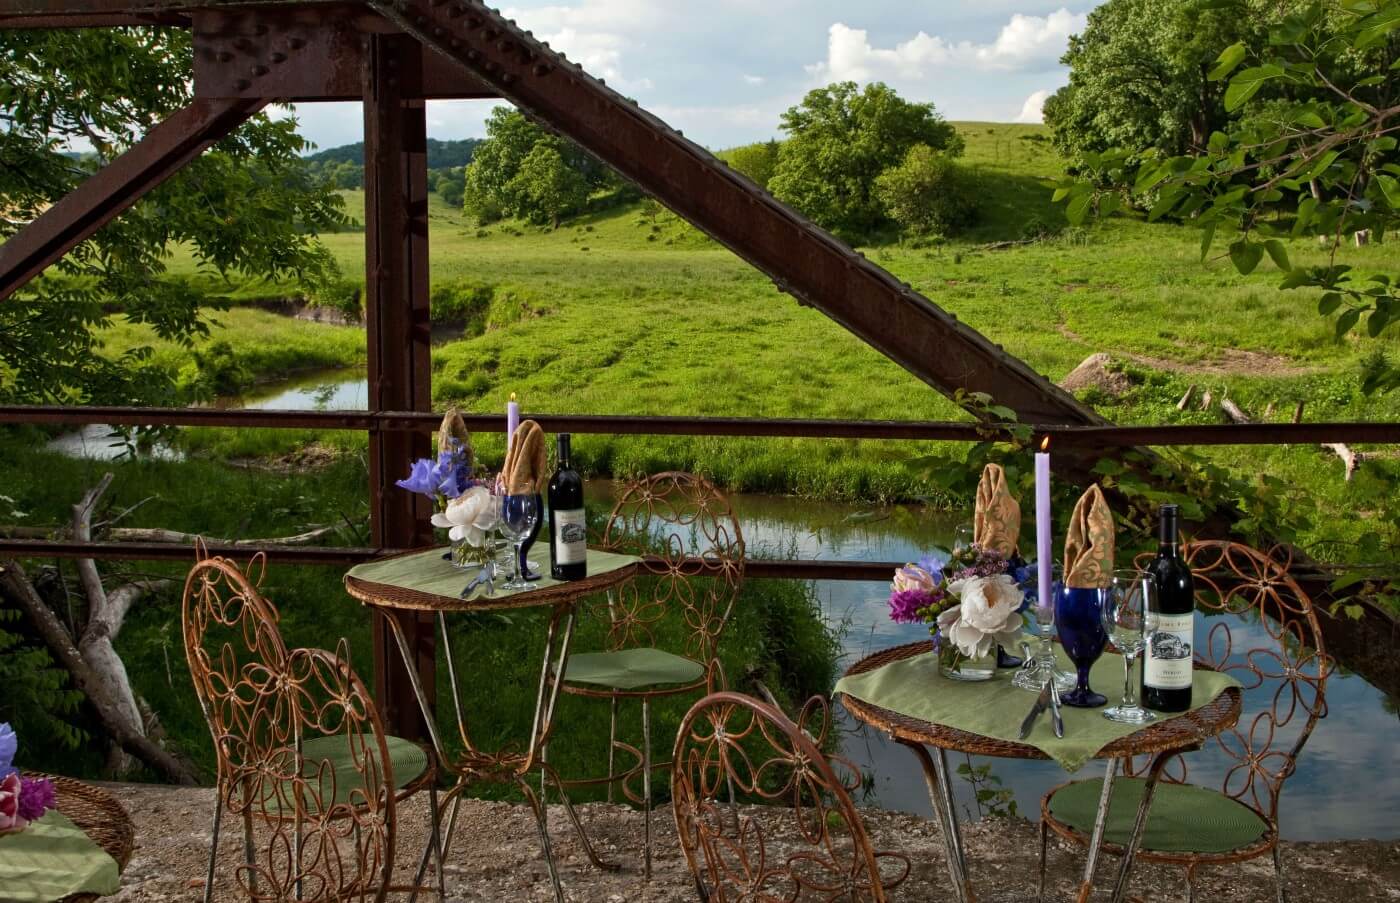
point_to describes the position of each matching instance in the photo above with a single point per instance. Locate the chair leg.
(544, 774)
(248, 845)
(214, 845)
(646, 785)
(612, 746)
(1191, 883)
(1278, 874)
(1044, 844)
(433, 848)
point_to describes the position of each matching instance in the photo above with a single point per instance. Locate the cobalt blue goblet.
(1079, 622)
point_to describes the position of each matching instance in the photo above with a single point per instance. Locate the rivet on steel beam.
(223, 56)
(420, 21)
(260, 70)
(277, 56)
(472, 21)
(242, 44)
(438, 31)
(543, 70)
(507, 78)
(260, 29)
(454, 43)
(489, 34)
(472, 55)
(242, 84)
(296, 43)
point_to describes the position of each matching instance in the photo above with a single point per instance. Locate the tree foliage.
(928, 192)
(548, 187)
(247, 207)
(757, 161)
(840, 139)
(1314, 153)
(1140, 75)
(493, 187)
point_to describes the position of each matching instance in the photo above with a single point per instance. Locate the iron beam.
(399, 340)
(803, 259)
(114, 188)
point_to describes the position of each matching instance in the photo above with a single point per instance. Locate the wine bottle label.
(570, 537)
(1167, 665)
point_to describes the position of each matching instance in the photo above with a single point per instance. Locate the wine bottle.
(1166, 665)
(568, 530)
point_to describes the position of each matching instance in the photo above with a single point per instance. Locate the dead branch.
(159, 534)
(1233, 411)
(1186, 399)
(1350, 458)
(15, 586)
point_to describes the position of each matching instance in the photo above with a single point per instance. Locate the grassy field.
(635, 315)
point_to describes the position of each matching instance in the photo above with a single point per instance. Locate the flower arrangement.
(971, 602)
(22, 800)
(462, 505)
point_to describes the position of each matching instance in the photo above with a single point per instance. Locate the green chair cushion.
(341, 782)
(1184, 818)
(632, 669)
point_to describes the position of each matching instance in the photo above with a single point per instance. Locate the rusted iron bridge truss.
(395, 54)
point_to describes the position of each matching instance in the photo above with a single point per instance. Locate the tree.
(840, 139)
(549, 189)
(757, 161)
(492, 190)
(248, 206)
(450, 186)
(927, 192)
(1139, 75)
(1317, 159)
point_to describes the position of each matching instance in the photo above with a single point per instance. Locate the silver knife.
(1055, 717)
(1041, 702)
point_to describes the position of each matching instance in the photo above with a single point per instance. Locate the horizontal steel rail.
(624, 424)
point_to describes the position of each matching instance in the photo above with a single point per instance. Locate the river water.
(1347, 784)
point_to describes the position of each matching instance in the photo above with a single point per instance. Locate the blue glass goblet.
(1079, 622)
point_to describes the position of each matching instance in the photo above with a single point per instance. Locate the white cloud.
(592, 34)
(1033, 110)
(754, 80)
(1023, 43)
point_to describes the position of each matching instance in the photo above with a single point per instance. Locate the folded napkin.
(997, 523)
(454, 427)
(1089, 545)
(526, 463)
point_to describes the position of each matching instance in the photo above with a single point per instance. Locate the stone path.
(495, 857)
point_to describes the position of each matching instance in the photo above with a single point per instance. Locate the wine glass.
(1125, 613)
(1040, 621)
(1079, 623)
(518, 516)
(962, 537)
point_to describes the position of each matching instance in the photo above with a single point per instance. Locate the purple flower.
(421, 479)
(905, 605)
(35, 797)
(452, 475)
(9, 745)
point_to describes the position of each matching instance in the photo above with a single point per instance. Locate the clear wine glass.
(1125, 614)
(1040, 621)
(962, 537)
(518, 516)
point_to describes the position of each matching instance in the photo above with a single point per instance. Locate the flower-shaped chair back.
(302, 755)
(686, 530)
(1277, 655)
(763, 815)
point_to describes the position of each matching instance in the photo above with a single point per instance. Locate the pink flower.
(10, 819)
(911, 576)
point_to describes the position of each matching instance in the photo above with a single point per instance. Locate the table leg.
(941, 794)
(1149, 788)
(429, 717)
(1086, 887)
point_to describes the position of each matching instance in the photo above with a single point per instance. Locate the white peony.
(984, 616)
(469, 517)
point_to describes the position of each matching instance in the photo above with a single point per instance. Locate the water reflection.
(1346, 785)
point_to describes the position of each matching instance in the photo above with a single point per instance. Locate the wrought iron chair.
(1284, 680)
(694, 566)
(302, 755)
(822, 853)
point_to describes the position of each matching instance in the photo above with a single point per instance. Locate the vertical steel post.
(397, 326)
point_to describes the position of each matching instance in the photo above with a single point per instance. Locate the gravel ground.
(495, 857)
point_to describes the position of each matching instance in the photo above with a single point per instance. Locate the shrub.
(344, 295)
(928, 192)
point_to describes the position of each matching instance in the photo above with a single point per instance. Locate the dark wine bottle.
(1166, 664)
(568, 530)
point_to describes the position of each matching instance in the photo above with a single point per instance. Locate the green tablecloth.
(995, 708)
(429, 572)
(51, 859)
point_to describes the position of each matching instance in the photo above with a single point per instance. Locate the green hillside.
(628, 313)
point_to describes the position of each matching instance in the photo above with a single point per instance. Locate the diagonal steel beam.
(802, 259)
(121, 183)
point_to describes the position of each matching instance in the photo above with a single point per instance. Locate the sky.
(723, 71)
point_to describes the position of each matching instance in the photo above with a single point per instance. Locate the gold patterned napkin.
(1089, 545)
(526, 463)
(997, 522)
(454, 427)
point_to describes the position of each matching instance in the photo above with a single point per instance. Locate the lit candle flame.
(512, 397)
(1045, 444)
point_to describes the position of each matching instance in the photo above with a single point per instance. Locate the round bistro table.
(510, 766)
(1161, 740)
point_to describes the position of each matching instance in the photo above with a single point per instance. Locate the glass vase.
(465, 555)
(953, 665)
